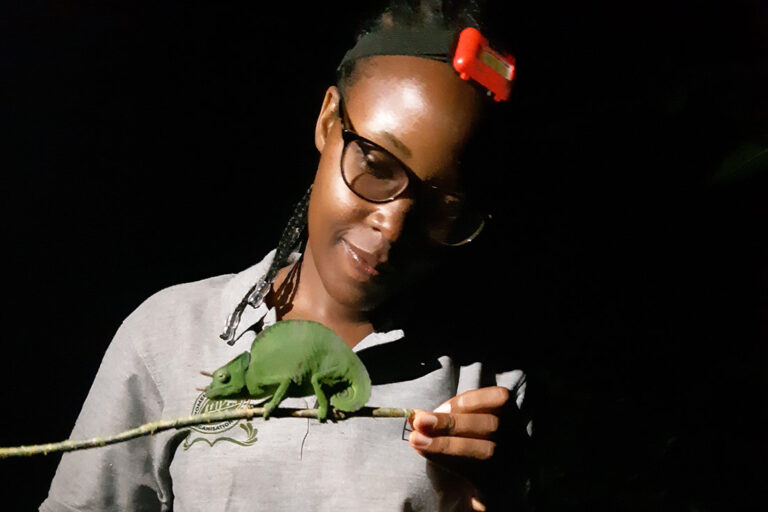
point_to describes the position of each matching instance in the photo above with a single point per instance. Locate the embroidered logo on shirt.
(202, 405)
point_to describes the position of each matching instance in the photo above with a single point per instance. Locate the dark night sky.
(149, 145)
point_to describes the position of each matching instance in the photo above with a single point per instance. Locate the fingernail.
(477, 505)
(427, 420)
(446, 407)
(419, 440)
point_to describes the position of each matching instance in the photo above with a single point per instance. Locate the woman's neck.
(298, 293)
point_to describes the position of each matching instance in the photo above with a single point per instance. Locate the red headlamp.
(476, 60)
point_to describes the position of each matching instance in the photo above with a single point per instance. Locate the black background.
(145, 145)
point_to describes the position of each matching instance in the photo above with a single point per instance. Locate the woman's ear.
(329, 114)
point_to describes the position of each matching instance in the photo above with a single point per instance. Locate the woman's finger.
(476, 400)
(478, 426)
(479, 449)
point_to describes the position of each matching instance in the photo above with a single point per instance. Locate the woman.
(387, 196)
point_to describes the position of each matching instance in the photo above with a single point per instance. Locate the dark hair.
(442, 14)
(290, 240)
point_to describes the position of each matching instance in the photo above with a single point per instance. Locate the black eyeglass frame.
(349, 135)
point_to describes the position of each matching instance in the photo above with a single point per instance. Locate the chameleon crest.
(296, 358)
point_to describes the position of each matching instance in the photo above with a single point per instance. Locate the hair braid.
(289, 241)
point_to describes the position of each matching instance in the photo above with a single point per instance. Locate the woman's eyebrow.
(397, 143)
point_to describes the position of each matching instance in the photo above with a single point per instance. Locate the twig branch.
(198, 419)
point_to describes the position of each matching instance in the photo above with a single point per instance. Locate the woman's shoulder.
(174, 333)
(184, 316)
(197, 301)
(182, 302)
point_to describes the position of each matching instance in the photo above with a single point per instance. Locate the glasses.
(376, 175)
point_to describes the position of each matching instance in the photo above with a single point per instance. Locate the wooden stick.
(198, 419)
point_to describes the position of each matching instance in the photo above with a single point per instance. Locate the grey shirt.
(150, 372)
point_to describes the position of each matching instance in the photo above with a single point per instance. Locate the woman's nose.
(389, 218)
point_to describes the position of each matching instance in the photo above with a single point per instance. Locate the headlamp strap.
(470, 53)
(432, 43)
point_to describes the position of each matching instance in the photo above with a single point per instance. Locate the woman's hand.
(463, 427)
(462, 431)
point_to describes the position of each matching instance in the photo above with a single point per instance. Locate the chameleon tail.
(354, 396)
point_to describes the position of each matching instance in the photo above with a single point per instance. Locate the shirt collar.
(379, 338)
(241, 283)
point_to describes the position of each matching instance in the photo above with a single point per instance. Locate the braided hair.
(291, 239)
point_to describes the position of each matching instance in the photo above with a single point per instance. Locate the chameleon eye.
(222, 377)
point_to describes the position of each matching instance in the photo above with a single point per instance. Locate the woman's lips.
(363, 261)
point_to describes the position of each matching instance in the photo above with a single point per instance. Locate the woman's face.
(421, 112)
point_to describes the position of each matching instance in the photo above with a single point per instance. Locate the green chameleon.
(296, 358)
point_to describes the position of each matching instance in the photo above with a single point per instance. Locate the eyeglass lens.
(451, 223)
(376, 175)
(371, 173)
